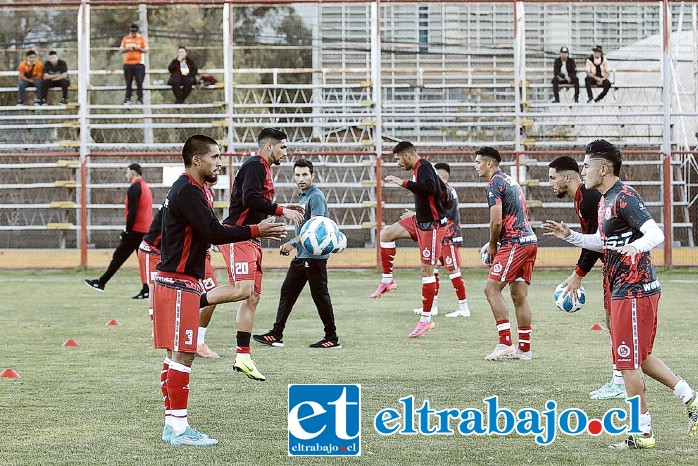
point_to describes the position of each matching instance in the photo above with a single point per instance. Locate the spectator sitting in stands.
(30, 72)
(598, 70)
(182, 75)
(565, 72)
(55, 75)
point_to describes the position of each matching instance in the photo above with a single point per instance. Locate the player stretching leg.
(251, 202)
(450, 251)
(626, 235)
(511, 251)
(429, 222)
(563, 174)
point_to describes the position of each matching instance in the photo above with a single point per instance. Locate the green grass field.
(100, 403)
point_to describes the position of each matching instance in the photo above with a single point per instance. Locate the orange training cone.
(70, 342)
(113, 322)
(597, 327)
(9, 374)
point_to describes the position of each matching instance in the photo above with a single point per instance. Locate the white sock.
(646, 423)
(463, 305)
(179, 423)
(684, 391)
(387, 278)
(435, 303)
(201, 337)
(618, 376)
(426, 317)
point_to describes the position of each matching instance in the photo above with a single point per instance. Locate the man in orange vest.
(139, 216)
(133, 46)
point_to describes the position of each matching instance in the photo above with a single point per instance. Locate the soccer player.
(149, 258)
(250, 202)
(512, 253)
(139, 216)
(450, 251)
(626, 234)
(304, 268)
(563, 174)
(188, 226)
(428, 225)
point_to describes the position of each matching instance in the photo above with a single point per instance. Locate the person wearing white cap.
(565, 72)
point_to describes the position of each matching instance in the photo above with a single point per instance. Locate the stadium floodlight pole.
(667, 192)
(83, 21)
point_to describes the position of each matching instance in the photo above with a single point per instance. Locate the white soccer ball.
(341, 242)
(321, 236)
(566, 304)
(483, 255)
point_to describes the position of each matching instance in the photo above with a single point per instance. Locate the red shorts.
(410, 224)
(513, 262)
(244, 262)
(209, 281)
(147, 261)
(429, 241)
(176, 312)
(633, 328)
(450, 256)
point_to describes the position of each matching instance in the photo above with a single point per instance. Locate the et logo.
(324, 420)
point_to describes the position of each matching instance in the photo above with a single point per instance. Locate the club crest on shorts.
(623, 350)
(426, 253)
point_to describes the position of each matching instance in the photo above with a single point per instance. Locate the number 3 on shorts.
(190, 336)
(241, 268)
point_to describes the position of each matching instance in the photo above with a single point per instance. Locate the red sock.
(388, 256)
(428, 293)
(436, 289)
(504, 328)
(163, 384)
(178, 389)
(458, 285)
(242, 350)
(525, 338)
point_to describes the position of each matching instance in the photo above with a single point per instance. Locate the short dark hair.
(442, 166)
(181, 47)
(274, 134)
(136, 168)
(30, 52)
(404, 146)
(564, 163)
(196, 145)
(304, 164)
(602, 149)
(52, 52)
(134, 27)
(491, 152)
